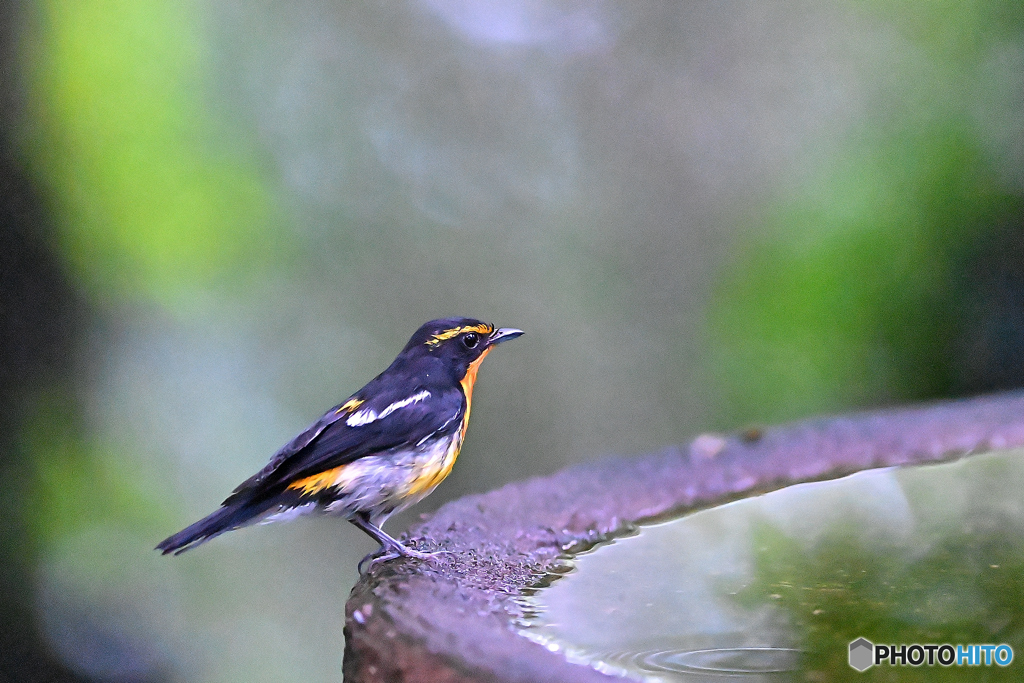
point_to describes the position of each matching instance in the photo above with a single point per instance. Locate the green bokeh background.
(703, 215)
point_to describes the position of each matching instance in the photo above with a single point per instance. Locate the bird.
(383, 449)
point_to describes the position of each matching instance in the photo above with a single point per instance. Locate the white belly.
(389, 482)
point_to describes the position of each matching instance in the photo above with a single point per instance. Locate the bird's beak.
(503, 334)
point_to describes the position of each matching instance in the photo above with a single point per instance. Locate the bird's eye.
(471, 340)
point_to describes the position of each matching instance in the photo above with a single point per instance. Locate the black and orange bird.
(383, 449)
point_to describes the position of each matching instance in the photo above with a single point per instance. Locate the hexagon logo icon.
(862, 654)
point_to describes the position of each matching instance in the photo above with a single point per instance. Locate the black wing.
(391, 417)
(338, 412)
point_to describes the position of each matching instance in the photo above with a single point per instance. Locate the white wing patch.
(368, 415)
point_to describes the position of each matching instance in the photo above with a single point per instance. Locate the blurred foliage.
(155, 196)
(40, 318)
(855, 297)
(80, 484)
(852, 291)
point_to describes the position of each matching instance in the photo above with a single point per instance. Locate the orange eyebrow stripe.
(317, 482)
(456, 331)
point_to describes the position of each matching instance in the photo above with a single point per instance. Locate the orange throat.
(467, 386)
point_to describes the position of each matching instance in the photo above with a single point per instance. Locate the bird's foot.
(392, 553)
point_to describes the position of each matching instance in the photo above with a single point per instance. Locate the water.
(774, 588)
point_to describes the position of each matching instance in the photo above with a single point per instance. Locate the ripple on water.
(730, 663)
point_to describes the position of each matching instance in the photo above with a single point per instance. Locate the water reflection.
(777, 586)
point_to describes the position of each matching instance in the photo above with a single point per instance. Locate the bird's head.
(459, 342)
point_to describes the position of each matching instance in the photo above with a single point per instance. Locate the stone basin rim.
(455, 618)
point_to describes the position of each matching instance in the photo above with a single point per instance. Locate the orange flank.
(318, 482)
(432, 475)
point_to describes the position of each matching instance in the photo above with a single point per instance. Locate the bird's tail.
(228, 517)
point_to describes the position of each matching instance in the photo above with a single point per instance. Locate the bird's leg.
(362, 520)
(393, 547)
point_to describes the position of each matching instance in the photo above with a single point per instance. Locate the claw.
(374, 558)
(401, 551)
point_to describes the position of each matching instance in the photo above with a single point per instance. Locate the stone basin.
(475, 614)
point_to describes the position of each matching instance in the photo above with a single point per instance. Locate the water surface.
(775, 587)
